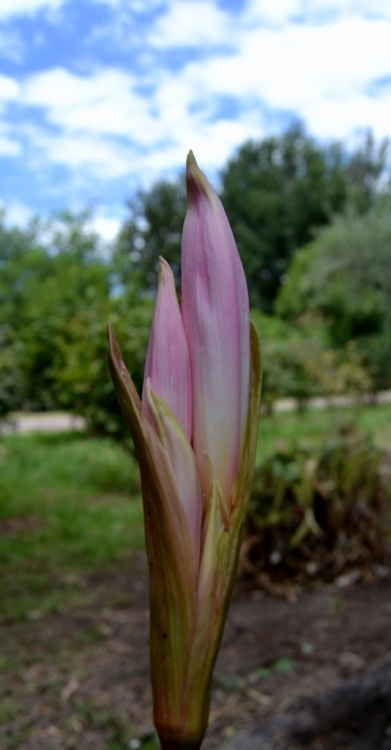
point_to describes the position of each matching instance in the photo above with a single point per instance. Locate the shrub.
(317, 512)
(299, 362)
(344, 275)
(83, 374)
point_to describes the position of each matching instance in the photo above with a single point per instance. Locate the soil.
(78, 679)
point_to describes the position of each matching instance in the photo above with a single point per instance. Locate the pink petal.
(215, 310)
(167, 363)
(184, 468)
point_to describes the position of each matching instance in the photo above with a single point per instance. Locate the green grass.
(70, 505)
(312, 427)
(67, 504)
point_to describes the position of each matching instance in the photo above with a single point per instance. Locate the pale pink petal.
(184, 467)
(215, 311)
(167, 363)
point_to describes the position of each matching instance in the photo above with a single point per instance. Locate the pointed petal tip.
(191, 160)
(196, 181)
(165, 271)
(115, 356)
(113, 343)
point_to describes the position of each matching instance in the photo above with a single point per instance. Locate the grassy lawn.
(71, 505)
(311, 428)
(67, 504)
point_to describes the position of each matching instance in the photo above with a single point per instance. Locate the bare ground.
(78, 679)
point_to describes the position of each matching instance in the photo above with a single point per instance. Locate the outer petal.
(172, 592)
(184, 468)
(167, 363)
(220, 552)
(215, 312)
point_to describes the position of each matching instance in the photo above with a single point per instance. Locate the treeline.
(58, 289)
(313, 227)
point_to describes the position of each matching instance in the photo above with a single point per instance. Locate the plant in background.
(318, 511)
(195, 434)
(299, 361)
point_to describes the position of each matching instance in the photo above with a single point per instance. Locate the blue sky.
(100, 97)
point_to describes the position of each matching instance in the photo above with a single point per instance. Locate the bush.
(344, 276)
(58, 291)
(84, 378)
(317, 513)
(299, 362)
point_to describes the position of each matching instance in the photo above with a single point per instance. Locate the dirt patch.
(355, 715)
(80, 678)
(20, 525)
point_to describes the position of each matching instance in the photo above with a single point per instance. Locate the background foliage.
(318, 512)
(344, 276)
(276, 191)
(313, 227)
(57, 292)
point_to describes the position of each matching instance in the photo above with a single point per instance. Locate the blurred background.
(287, 107)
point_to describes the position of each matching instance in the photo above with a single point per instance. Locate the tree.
(154, 228)
(58, 291)
(279, 190)
(345, 275)
(367, 173)
(276, 191)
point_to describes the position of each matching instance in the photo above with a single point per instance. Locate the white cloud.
(191, 24)
(281, 12)
(8, 146)
(104, 103)
(16, 213)
(271, 12)
(10, 8)
(105, 226)
(201, 22)
(102, 159)
(369, 8)
(9, 92)
(331, 117)
(298, 69)
(138, 6)
(91, 111)
(103, 125)
(289, 67)
(107, 127)
(9, 89)
(212, 144)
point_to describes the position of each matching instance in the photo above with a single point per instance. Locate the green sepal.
(172, 590)
(182, 662)
(221, 548)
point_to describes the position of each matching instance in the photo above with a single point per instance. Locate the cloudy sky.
(100, 97)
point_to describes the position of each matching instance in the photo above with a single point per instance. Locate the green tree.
(154, 228)
(367, 173)
(59, 289)
(345, 275)
(53, 271)
(279, 190)
(276, 191)
(16, 246)
(300, 361)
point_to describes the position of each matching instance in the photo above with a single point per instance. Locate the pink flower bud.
(195, 434)
(217, 325)
(167, 364)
